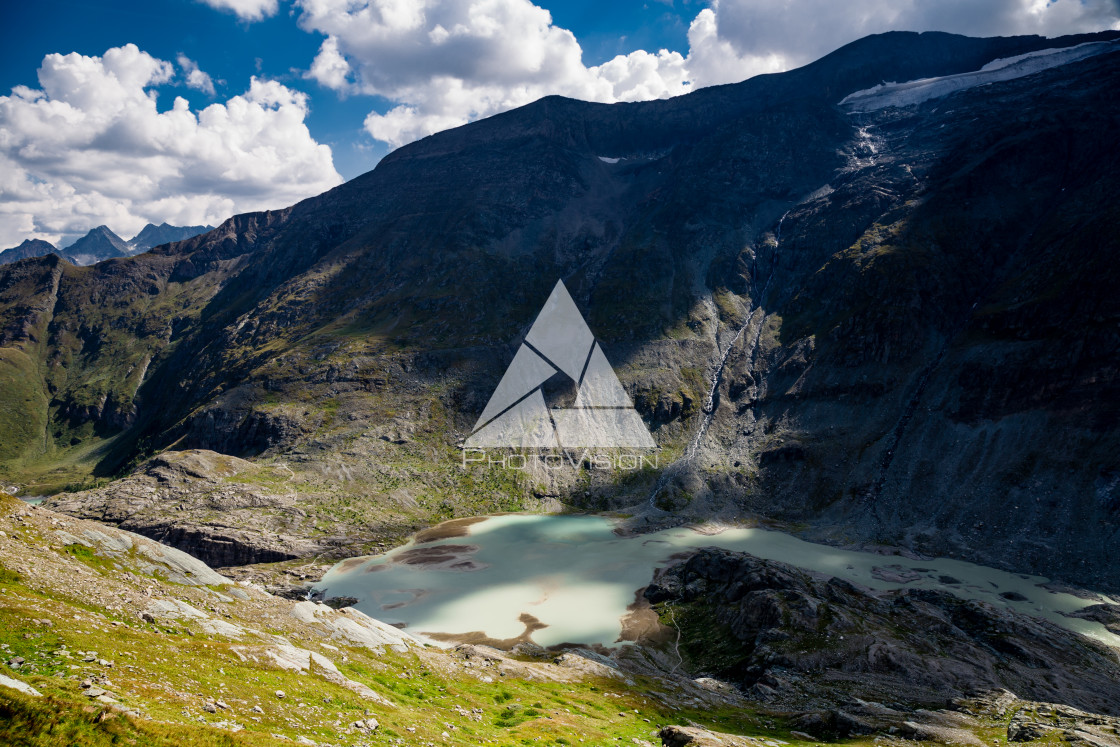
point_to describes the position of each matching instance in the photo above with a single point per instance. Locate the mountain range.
(894, 327)
(101, 243)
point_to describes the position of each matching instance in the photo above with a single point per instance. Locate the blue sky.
(125, 112)
(230, 49)
(224, 46)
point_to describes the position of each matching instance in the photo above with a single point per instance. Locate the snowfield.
(1008, 68)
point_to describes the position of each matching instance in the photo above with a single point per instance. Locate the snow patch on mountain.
(1008, 68)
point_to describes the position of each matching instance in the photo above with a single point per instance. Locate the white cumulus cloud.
(442, 63)
(246, 10)
(195, 77)
(445, 62)
(329, 67)
(90, 146)
(761, 35)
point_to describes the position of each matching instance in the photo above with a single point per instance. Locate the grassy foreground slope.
(122, 654)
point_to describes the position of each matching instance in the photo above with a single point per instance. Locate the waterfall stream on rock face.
(754, 308)
(576, 577)
(717, 375)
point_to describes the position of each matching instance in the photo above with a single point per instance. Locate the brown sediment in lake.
(441, 558)
(640, 623)
(350, 564)
(479, 638)
(447, 529)
(430, 555)
(416, 594)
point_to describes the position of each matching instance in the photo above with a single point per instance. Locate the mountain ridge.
(101, 243)
(27, 249)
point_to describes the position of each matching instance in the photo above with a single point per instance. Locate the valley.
(918, 304)
(870, 326)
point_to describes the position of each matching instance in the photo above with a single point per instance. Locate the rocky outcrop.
(1028, 721)
(205, 504)
(243, 432)
(794, 637)
(694, 736)
(352, 627)
(1035, 721)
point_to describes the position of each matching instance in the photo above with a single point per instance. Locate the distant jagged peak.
(99, 244)
(29, 248)
(152, 235)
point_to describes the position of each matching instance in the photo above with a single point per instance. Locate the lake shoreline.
(544, 566)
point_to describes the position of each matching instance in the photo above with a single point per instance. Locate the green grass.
(164, 675)
(90, 558)
(23, 406)
(59, 468)
(54, 721)
(730, 309)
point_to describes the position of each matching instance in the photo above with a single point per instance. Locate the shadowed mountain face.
(152, 235)
(916, 304)
(26, 250)
(100, 243)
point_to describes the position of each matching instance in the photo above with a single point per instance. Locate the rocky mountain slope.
(896, 326)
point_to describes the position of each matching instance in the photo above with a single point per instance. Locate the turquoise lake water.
(577, 577)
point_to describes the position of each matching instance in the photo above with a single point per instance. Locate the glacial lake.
(570, 579)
